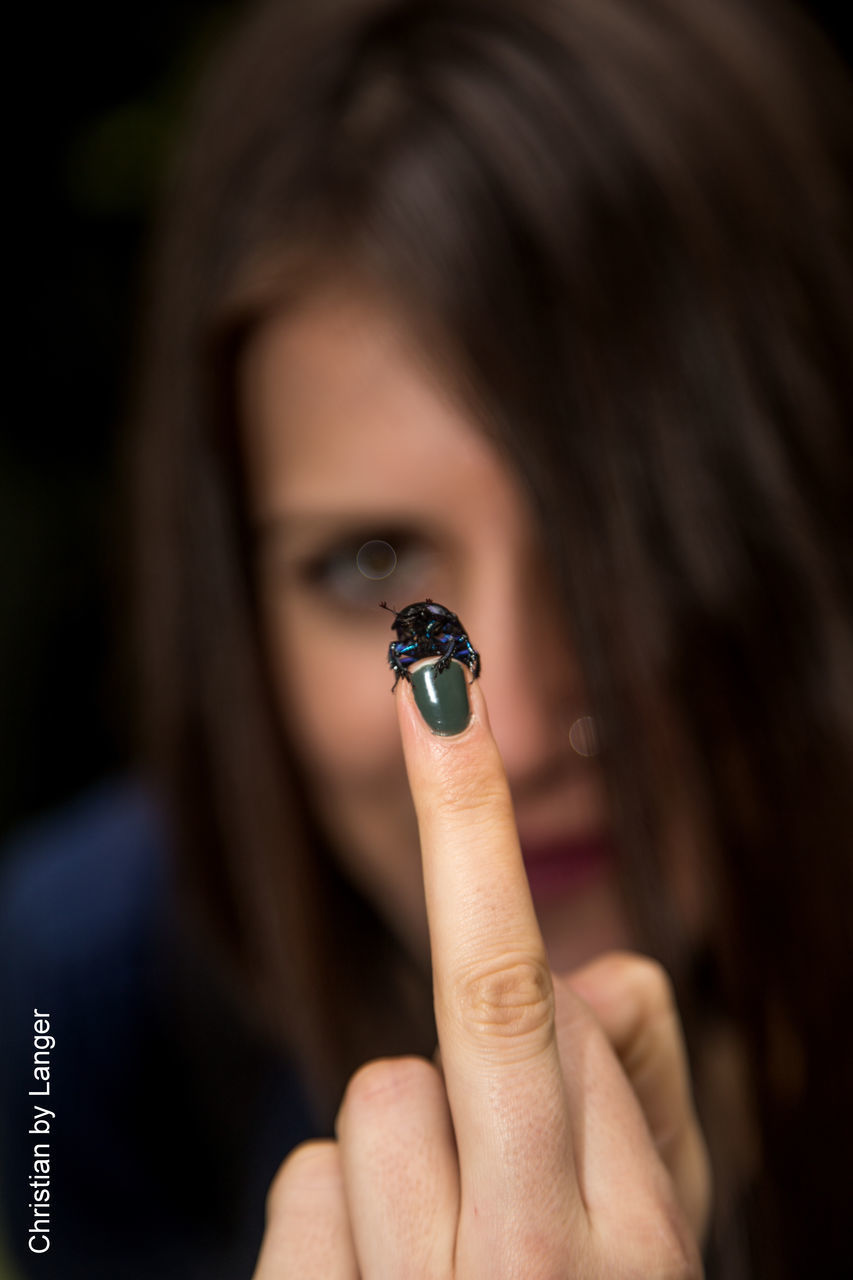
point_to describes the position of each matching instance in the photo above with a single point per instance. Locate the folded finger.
(632, 998)
(307, 1228)
(400, 1170)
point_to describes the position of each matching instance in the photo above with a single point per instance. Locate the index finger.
(492, 985)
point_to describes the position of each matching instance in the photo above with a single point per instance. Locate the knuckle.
(474, 798)
(648, 1003)
(652, 985)
(676, 1259)
(681, 1261)
(472, 783)
(649, 1036)
(664, 1246)
(646, 979)
(511, 998)
(387, 1083)
(310, 1167)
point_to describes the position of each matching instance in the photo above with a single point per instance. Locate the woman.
(552, 300)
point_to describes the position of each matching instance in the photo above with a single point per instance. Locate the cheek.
(336, 702)
(333, 689)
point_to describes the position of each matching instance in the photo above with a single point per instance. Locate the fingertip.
(440, 694)
(449, 706)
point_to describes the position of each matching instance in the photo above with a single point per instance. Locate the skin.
(348, 436)
(554, 1133)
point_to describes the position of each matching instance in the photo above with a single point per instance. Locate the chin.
(578, 929)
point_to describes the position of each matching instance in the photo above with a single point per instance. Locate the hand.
(555, 1137)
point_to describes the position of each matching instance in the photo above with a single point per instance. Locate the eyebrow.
(310, 524)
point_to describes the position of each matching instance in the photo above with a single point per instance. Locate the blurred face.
(351, 441)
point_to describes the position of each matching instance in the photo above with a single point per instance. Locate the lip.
(566, 864)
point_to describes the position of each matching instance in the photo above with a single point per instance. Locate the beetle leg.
(444, 661)
(400, 672)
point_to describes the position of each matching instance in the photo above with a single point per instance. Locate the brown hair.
(624, 225)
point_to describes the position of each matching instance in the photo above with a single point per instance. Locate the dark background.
(96, 98)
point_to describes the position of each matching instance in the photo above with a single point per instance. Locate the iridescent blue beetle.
(428, 630)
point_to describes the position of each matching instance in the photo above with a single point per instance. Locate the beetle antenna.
(384, 605)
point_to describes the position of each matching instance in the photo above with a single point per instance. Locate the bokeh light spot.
(583, 736)
(376, 559)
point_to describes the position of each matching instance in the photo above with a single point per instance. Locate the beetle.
(425, 630)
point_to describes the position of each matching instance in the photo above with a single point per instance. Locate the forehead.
(337, 401)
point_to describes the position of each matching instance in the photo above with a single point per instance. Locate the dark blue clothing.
(170, 1117)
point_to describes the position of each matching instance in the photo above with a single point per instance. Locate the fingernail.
(442, 698)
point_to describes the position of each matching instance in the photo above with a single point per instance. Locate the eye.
(354, 572)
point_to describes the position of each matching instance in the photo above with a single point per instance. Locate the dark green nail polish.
(442, 698)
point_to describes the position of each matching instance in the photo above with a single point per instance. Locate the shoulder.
(82, 887)
(169, 1118)
(114, 831)
(83, 894)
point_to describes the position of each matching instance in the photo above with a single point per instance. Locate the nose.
(530, 678)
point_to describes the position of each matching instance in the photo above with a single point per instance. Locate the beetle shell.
(428, 630)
